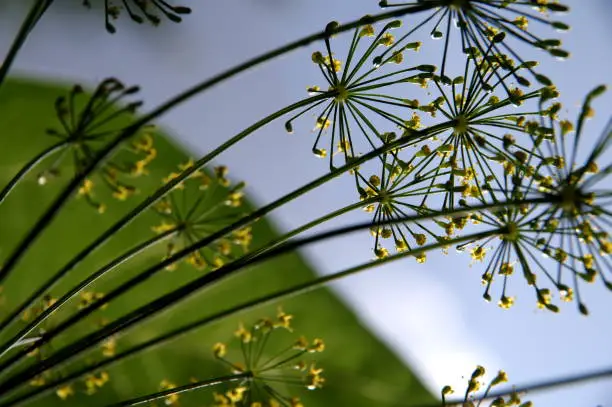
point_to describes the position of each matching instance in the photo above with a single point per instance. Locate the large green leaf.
(360, 370)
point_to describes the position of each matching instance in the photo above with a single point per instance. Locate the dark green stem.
(27, 168)
(247, 306)
(36, 12)
(48, 216)
(220, 273)
(539, 386)
(67, 353)
(77, 180)
(136, 250)
(188, 387)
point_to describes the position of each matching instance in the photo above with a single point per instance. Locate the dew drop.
(436, 35)
(377, 61)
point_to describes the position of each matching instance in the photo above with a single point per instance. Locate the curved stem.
(533, 387)
(131, 253)
(44, 221)
(225, 270)
(77, 180)
(36, 12)
(27, 168)
(246, 306)
(70, 351)
(136, 250)
(188, 387)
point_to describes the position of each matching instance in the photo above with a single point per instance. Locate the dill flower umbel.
(357, 94)
(198, 207)
(288, 364)
(480, 20)
(477, 112)
(564, 238)
(140, 10)
(395, 194)
(85, 130)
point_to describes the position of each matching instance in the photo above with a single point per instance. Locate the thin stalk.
(139, 249)
(528, 388)
(70, 351)
(36, 12)
(188, 387)
(52, 211)
(246, 306)
(27, 168)
(219, 274)
(77, 180)
(534, 387)
(136, 250)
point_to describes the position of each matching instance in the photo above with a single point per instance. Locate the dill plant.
(481, 162)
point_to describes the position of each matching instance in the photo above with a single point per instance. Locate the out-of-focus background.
(431, 315)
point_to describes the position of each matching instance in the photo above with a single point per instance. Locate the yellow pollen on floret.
(506, 302)
(506, 269)
(243, 334)
(219, 350)
(387, 40)
(381, 252)
(65, 392)
(172, 399)
(86, 187)
(478, 253)
(521, 22)
(322, 123)
(421, 257)
(367, 31)
(284, 319)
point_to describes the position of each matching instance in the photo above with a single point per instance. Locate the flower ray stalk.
(148, 273)
(186, 388)
(34, 15)
(135, 251)
(56, 206)
(72, 350)
(150, 201)
(604, 373)
(49, 215)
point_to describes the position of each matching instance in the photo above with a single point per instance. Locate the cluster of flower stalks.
(478, 160)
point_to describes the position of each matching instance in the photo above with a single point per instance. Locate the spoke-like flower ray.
(480, 20)
(198, 207)
(140, 10)
(350, 114)
(85, 128)
(566, 241)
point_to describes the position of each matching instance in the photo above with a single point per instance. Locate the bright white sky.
(432, 315)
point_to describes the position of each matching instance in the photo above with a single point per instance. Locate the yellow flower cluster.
(265, 370)
(198, 207)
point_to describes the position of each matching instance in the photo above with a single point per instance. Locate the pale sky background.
(432, 315)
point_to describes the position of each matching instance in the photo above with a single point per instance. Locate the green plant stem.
(66, 193)
(136, 250)
(188, 387)
(220, 273)
(246, 306)
(52, 211)
(138, 315)
(534, 387)
(27, 168)
(34, 15)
